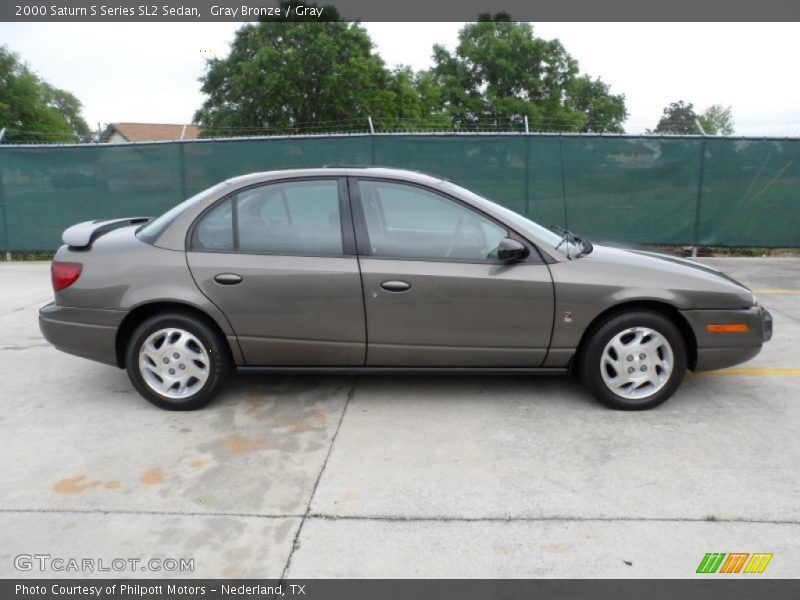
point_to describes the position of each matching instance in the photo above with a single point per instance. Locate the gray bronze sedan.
(365, 270)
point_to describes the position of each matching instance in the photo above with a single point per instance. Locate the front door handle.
(228, 278)
(396, 286)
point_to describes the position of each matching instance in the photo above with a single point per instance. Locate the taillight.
(64, 274)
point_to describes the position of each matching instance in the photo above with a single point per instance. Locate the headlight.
(766, 325)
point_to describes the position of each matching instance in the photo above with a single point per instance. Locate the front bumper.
(720, 350)
(87, 332)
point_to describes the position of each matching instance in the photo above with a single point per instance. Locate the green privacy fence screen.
(640, 189)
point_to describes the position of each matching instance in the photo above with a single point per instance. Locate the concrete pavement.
(398, 476)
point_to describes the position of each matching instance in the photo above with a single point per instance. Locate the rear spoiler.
(83, 234)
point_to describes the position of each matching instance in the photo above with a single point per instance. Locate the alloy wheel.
(174, 363)
(637, 363)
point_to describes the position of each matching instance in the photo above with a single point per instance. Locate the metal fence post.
(527, 174)
(700, 182)
(3, 204)
(371, 141)
(182, 165)
(4, 214)
(563, 180)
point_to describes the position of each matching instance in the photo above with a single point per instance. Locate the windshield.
(515, 219)
(151, 231)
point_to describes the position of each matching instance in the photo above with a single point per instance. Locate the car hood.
(688, 263)
(659, 270)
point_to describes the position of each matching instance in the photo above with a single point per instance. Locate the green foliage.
(501, 72)
(295, 77)
(678, 118)
(604, 112)
(717, 120)
(414, 102)
(291, 76)
(70, 108)
(32, 110)
(30, 256)
(499, 17)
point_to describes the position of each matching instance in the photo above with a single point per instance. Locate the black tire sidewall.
(605, 331)
(217, 352)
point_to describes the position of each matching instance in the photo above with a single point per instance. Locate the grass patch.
(779, 252)
(719, 251)
(28, 256)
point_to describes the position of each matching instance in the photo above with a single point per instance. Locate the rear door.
(435, 293)
(279, 260)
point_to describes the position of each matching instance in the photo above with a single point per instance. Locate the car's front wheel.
(634, 360)
(176, 361)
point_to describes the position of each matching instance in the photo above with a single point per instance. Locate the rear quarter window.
(150, 232)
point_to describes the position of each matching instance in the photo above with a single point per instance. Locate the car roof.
(379, 172)
(173, 237)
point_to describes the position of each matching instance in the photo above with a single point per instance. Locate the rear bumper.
(720, 350)
(86, 332)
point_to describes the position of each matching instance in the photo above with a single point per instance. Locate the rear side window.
(150, 232)
(215, 230)
(295, 217)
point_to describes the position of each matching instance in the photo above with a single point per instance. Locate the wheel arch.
(147, 310)
(663, 308)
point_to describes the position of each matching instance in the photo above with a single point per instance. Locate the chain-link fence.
(643, 189)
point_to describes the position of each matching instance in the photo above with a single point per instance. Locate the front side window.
(295, 217)
(515, 219)
(405, 221)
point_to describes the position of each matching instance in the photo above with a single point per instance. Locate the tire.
(176, 361)
(650, 365)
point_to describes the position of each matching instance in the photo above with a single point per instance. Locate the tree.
(70, 108)
(32, 110)
(283, 75)
(678, 118)
(501, 72)
(294, 75)
(414, 102)
(717, 120)
(604, 111)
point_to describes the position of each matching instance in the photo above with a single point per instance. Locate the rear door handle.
(228, 278)
(396, 286)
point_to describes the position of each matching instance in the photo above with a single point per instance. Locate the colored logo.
(734, 562)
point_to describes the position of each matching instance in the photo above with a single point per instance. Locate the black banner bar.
(713, 587)
(407, 10)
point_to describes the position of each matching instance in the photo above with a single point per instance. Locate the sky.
(148, 72)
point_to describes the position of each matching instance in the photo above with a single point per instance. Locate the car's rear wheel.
(176, 361)
(634, 360)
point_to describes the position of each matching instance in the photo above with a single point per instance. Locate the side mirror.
(511, 250)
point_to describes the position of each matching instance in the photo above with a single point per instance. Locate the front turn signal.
(727, 328)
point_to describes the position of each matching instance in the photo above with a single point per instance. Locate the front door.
(434, 291)
(279, 260)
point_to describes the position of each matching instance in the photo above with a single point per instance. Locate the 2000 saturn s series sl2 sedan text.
(383, 270)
